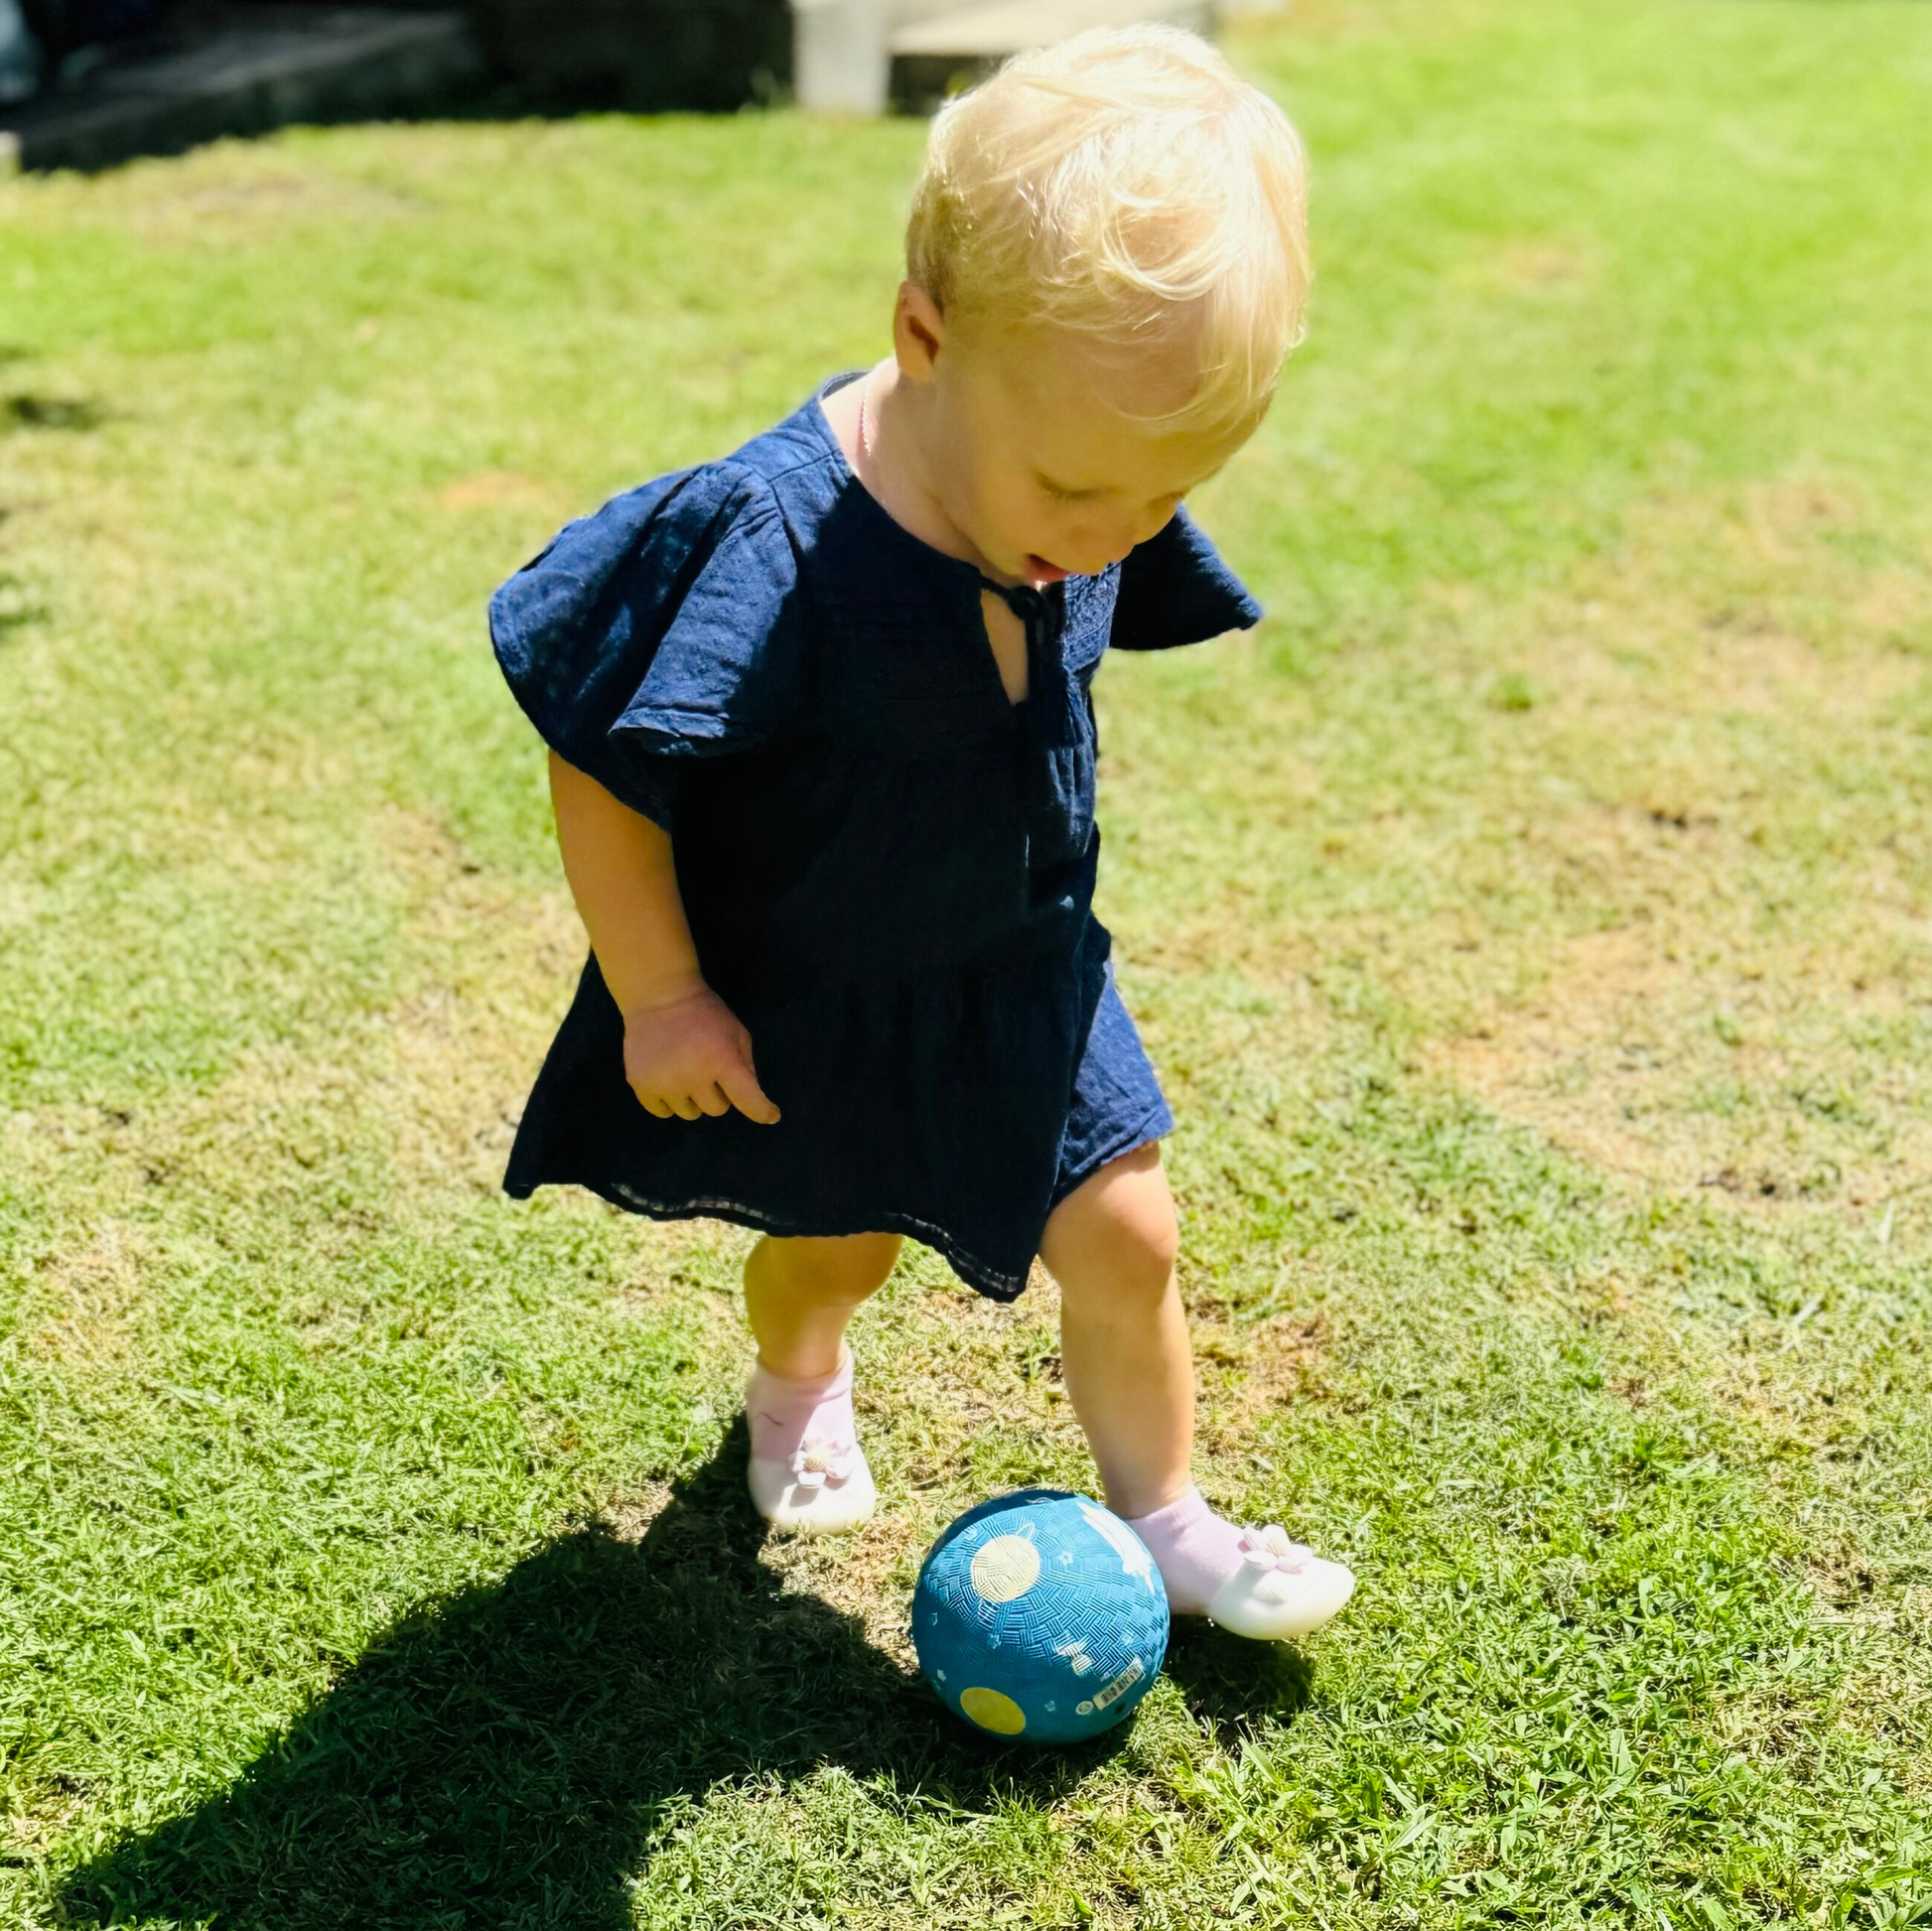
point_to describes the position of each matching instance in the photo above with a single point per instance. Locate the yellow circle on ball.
(991, 1710)
(1008, 1566)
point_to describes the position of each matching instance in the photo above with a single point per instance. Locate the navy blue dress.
(888, 867)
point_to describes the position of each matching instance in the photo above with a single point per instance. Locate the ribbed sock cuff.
(813, 1389)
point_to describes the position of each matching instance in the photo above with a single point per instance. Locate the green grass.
(1533, 924)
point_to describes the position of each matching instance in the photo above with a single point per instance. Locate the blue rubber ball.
(1040, 1615)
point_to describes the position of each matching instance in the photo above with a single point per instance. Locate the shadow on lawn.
(1235, 1687)
(502, 1759)
(49, 412)
(17, 607)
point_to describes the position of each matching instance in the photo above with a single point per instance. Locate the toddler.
(822, 753)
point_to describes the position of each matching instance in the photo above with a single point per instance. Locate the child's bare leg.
(808, 1471)
(801, 1293)
(1124, 1351)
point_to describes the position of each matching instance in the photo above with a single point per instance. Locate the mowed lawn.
(1532, 922)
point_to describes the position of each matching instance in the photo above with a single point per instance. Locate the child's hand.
(690, 1057)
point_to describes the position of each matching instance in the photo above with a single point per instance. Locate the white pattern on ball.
(1007, 1568)
(1131, 1549)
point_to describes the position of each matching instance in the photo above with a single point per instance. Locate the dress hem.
(982, 1279)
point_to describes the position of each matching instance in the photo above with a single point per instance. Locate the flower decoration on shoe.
(1280, 1590)
(823, 1465)
(1270, 1551)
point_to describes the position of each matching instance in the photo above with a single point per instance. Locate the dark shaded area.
(49, 412)
(201, 70)
(643, 56)
(1237, 1688)
(922, 83)
(127, 77)
(502, 1759)
(65, 27)
(17, 607)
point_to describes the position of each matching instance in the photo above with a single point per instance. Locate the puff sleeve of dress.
(1174, 589)
(664, 627)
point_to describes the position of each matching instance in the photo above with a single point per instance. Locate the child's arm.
(684, 1053)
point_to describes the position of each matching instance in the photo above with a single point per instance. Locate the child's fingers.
(739, 1085)
(686, 1106)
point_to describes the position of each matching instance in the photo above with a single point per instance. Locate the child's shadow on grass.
(1238, 1689)
(502, 1759)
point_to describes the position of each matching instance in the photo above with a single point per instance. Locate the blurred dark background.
(88, 83)
(644, 53)
(102, 80)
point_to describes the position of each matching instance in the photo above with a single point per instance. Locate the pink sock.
(1195, 1550)
(785, 1413)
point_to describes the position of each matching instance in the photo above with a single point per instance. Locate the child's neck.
(877, 426)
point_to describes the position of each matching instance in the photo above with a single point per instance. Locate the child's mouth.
(1043, 572)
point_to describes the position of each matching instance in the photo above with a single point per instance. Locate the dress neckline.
(1033, 606)
(1020, 599)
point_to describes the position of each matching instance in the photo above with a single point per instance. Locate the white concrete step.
(992, 28)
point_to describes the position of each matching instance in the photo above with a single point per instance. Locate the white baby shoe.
(808, 1474)
(1253, 1582)
(1282, 1590)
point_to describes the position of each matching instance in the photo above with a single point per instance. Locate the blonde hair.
(1130, 186)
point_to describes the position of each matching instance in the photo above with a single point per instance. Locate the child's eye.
(1060, 495)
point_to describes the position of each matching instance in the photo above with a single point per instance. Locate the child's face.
(1035, 460)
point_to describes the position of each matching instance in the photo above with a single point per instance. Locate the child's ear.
(918, 333)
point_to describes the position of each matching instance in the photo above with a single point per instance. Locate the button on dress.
(888, 867)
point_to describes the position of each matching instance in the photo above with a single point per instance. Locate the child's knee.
(1117, 1238)
(846, 1267)
(1137, 1257)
